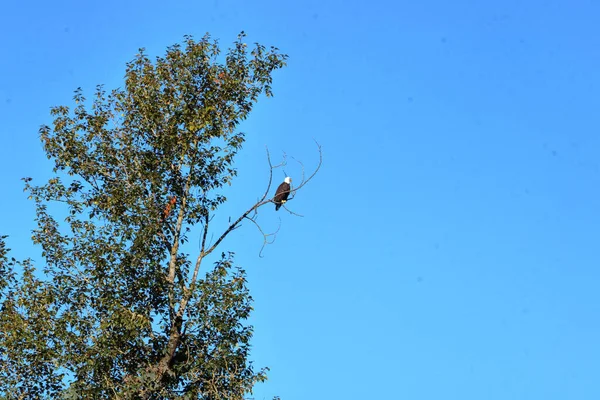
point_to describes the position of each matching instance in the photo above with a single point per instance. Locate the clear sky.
(450, 246)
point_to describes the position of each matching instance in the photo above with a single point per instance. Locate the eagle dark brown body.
(282, 193)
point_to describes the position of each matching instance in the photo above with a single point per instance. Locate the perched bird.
(282, 193)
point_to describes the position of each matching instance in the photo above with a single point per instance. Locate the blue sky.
(450, 245)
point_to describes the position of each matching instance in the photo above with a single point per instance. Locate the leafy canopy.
(121, 311)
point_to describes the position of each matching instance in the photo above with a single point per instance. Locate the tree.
(122, 311)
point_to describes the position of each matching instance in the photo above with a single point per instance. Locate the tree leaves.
(120, 310)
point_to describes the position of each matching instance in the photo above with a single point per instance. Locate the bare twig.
(264, 199)
(291, 212)
(271, 168)
(303, 181)
(270, 175)
(266, 241)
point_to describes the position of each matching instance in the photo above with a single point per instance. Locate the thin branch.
(271, 168)
(302, 179)
(291, 212)
(266, 241)
(270, 174)
(264, 200)
(236, 224)
(304, 182)
(206, 221)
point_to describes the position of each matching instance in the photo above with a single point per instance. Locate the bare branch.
(291, 212)
(271, 168)
(304, 182)
(264, 199)
(270, 175)
(266, 241)
(235, 225)
(302, 179)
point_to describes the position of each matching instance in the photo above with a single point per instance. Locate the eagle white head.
(287, 180)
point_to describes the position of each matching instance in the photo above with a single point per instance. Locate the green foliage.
(121, 311)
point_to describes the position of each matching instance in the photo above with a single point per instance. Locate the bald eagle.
(282, 193)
